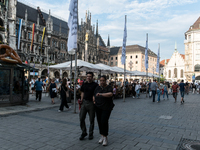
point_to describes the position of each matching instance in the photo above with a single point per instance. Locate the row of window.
(175, 73)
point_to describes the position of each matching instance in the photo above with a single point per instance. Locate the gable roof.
(114, 50)
(131, 48)
(195, 26)
(163, 62)
(183, 56)
(33, 14)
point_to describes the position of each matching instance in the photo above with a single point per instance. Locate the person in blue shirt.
(182, 87)
(38, 87)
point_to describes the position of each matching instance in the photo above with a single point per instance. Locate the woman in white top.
(137, 90)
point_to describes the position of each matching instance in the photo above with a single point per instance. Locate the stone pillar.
(12, 23)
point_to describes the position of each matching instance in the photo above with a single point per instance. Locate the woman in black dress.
(63, 91)
(104, 105)
(53, 90)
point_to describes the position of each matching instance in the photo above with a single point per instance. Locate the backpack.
(165, 88)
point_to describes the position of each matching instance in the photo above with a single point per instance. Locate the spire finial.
(175, 47)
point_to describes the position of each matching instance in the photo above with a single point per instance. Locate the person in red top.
(175, 91)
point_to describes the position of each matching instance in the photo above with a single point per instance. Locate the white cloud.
(164, 24)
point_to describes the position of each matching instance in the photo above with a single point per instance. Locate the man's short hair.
(182, 80)
(91, 73)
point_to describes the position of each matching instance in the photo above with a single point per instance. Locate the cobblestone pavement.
(136, 124)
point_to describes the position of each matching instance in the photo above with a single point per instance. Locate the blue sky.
(165, 21)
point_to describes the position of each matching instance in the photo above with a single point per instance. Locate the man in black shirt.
(87, 92)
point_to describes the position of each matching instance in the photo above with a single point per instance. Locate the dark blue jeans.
(154, 95)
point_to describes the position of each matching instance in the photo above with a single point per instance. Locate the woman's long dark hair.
(64, 82)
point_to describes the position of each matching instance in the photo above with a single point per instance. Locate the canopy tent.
(138, 73)
(82, 65)
(107, 68)
(120, 70)
(153, 75)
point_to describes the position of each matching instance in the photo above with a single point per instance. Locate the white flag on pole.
(123, 58)
(146, 54)
(19, 33)
(158, 60)
(73, 25)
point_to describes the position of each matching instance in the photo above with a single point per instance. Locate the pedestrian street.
(137, 124)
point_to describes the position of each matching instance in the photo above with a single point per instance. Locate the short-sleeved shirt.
(88, 90)
(105, 103)
(174, 88)
(182, 86)
(38, 85)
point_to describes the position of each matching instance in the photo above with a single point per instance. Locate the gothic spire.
(175, 47)
(108, 43)
(97, 32)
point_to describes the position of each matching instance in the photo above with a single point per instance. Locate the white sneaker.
(133, 97)
(101, 140)
(105, 141)
(59, 111)
(69, 108)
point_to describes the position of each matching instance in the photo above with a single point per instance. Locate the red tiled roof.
(163, 62)
(183, 56)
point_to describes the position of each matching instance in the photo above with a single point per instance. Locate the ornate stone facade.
(91, 46)
(192, 51)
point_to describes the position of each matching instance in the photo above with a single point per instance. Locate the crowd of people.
(96, 97)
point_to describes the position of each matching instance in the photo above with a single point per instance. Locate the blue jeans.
(137, 93)
(164, 94)
(154, 95)
(182, 94)
(158, 92)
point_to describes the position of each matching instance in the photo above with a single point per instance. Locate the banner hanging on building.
(19, 33)
(73, 25)
(146, 54)
(43, 38)
(158, 60)
(123, 58)
(33, 31)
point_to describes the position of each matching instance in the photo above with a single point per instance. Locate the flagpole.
(159, 61)
(75, 75)
(124, 94)
(146, 58)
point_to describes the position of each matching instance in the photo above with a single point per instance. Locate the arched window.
(197, 68)
(181, 73)
(169, 75)
(175, 72)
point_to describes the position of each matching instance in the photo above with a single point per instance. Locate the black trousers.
(38, 94)
(154, 95)
(133, 92)
(87, 107)
(102, 119)
(63, 103)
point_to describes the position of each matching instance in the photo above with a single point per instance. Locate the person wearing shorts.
(175, 90)
(182, 87)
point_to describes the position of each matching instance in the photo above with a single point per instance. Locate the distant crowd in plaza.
(95, 97)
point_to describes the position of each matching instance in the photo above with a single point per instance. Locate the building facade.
(135, 59)
(192, 51)
(91, 47)
(7, 22)
(174, 67)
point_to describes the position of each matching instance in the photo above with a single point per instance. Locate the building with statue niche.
(91, 47)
